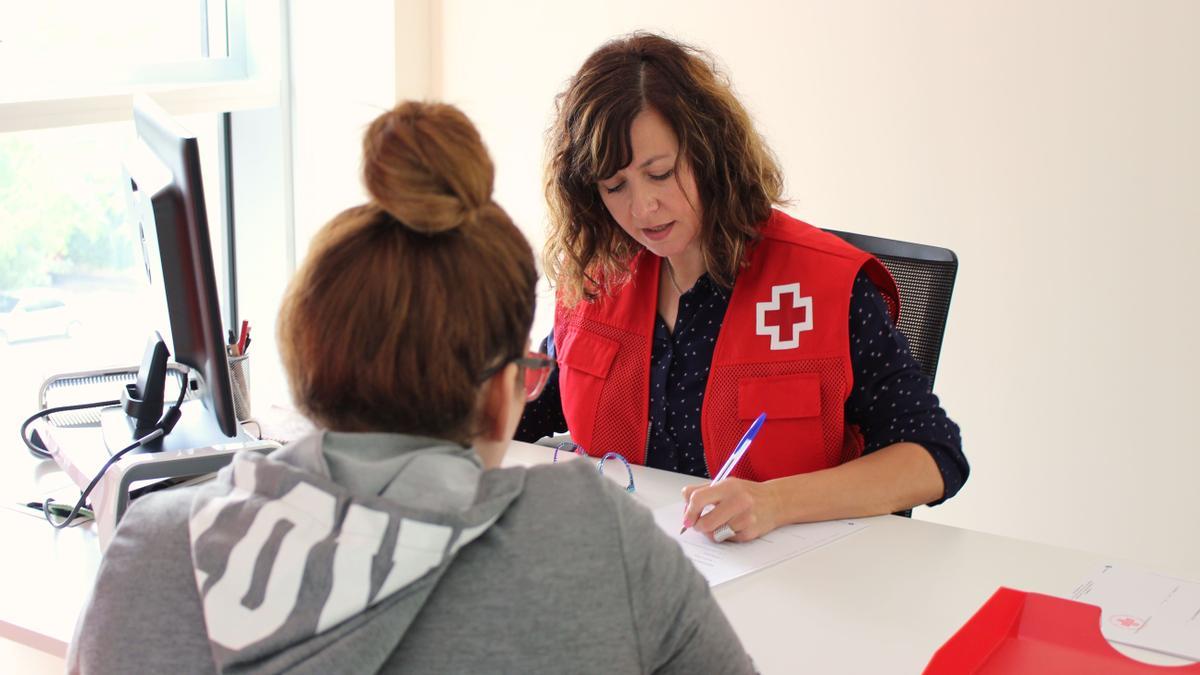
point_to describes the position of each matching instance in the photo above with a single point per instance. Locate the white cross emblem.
(786, 318)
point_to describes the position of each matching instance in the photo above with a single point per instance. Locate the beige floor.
(18, 658)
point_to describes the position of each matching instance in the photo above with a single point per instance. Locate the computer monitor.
(166, 198)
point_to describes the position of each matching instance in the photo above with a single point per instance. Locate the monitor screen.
(167, 200)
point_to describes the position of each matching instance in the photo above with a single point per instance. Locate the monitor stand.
(195, 447)
(196, 428)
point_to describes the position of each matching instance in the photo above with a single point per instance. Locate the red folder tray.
(1019, 632)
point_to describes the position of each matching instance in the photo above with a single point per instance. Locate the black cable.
(40, 452)
(161, 429)
(155, 434)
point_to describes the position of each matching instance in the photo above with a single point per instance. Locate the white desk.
(46, 576)
(879, 601)
(882, 600)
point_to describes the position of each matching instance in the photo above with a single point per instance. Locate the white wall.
(349, 63)
(1053, 145)
(346, 63)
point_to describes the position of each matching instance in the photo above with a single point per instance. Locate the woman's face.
(654, 199)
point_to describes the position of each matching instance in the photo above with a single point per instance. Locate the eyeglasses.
(568, 446)
(535, 368)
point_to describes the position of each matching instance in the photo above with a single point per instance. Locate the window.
(132, 32)
(66, 63)
(73, 293)
(54, 47)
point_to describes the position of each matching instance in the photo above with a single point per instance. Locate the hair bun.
(426, 165)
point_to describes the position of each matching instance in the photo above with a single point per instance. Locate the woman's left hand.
(750, 509)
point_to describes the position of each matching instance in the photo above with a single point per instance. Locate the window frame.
(248, 78)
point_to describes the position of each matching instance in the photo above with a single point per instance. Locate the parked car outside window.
(35, 313)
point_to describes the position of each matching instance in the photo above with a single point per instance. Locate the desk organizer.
(1019, 632)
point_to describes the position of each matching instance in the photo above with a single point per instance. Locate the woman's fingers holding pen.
(747, 507)
(711, 507)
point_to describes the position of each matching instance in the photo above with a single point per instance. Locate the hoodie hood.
(297, 571)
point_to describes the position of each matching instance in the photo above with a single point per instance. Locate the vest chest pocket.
(588, 353)
(780, 396)
(792, 440)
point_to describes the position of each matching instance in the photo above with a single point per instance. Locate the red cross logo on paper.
(785, 316)
(1127, 622)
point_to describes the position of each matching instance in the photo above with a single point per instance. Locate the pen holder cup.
(239, 380)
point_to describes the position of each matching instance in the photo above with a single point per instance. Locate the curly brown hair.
(738, 179)
(403, 302)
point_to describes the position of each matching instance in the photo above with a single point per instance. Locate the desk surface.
(879, 601)
(882, 600)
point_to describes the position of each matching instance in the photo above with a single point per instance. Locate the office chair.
(925, 278)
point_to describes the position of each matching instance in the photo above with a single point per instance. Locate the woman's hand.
(887, 480)
(750, 509)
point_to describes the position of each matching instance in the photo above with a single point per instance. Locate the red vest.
(783, 349)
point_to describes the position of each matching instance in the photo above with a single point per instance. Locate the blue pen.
(731, 463)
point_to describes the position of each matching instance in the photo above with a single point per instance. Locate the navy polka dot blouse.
(891, 401)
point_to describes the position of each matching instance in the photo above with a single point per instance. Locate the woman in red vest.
(687, 305)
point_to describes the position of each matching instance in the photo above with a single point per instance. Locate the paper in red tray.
(1019, 632)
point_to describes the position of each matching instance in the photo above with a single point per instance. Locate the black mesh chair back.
(925, 277)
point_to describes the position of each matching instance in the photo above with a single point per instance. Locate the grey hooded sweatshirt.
(363, 553)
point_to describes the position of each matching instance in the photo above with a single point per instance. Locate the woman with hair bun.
(390, 539)
(687, 305)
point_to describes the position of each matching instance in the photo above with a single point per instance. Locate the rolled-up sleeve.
(892, 401)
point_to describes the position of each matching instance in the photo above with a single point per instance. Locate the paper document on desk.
(722, 562)
(1145, 610)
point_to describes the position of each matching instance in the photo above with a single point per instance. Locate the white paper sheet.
(719, 563)
(1145, 610)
